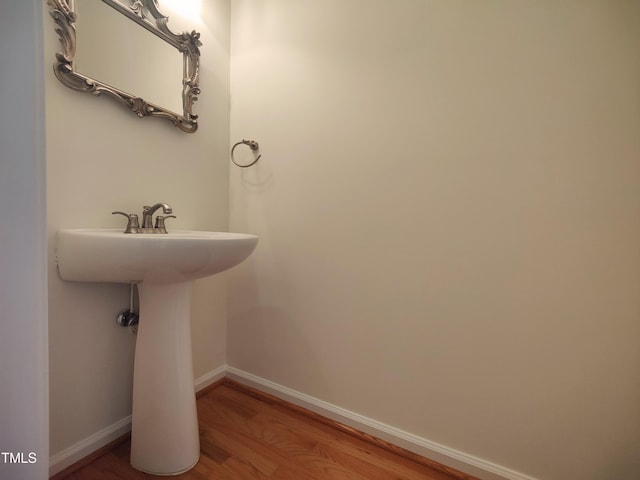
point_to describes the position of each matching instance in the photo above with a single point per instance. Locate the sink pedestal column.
(164, 432)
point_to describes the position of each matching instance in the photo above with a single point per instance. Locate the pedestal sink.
(164, 432)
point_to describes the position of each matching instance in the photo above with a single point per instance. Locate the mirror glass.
(113, 48)
(124, 50)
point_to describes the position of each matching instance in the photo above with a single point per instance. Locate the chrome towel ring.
(253, 145)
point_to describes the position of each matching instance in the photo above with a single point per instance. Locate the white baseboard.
(78, 451)
(447, 456)
(421, 446)
(210, 378)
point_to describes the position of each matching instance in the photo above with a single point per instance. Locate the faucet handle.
(133, 226)
(160, 228)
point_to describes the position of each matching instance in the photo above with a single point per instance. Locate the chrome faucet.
(147, 214)
(147, 219)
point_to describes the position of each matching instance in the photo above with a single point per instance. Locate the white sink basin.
(164, 425)
(102, 255)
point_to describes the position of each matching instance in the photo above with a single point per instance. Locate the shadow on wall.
(257, 178)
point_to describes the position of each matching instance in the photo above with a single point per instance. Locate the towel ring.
(253, 145)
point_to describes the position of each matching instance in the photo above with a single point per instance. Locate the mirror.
(104, 52)
(110, 47)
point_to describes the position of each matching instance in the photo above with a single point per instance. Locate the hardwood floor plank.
(245, 448)
(242, 469)
(274, 418)
(214, 451)
(247, 436)
(335, 428)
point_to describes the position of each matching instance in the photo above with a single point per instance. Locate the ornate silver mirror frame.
(146, 14)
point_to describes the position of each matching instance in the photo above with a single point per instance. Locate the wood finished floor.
(247, 438)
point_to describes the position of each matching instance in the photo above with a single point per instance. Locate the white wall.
(449, 220)
(101, 158)
(23, 287)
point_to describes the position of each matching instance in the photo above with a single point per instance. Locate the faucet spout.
(147, 213)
